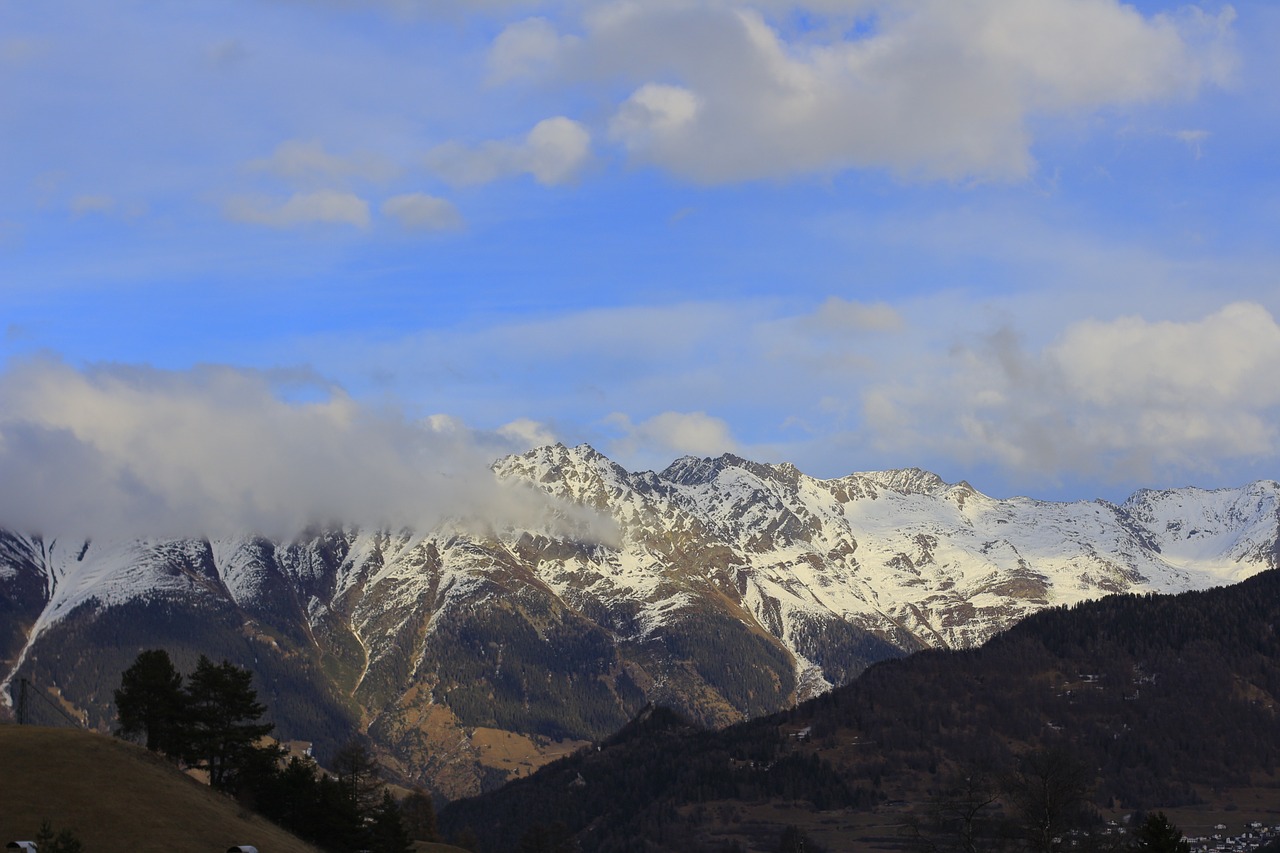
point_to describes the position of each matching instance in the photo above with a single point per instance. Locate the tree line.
(212, 721)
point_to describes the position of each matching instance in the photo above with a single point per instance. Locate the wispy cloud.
(305, 162)
(421, 212)
(327, 207)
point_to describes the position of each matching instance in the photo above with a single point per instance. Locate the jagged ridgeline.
(474, 650)
(1164, 701)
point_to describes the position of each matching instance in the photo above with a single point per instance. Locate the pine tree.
(420, 816)
(65, 841)
(1158, 835)
(150, 701)
(358, 774)
(221, 730)
(387, 832)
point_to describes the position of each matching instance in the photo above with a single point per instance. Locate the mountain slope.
(1155, 701)
(721, 587)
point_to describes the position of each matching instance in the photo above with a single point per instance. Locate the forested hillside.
(1145, 701)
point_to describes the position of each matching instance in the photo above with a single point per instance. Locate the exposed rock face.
(723, 587)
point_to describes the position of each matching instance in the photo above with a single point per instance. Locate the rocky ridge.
(723, 587)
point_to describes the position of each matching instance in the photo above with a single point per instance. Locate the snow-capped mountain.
(724, 587)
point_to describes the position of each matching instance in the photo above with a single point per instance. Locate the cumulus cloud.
(1214, 362)
(320, 207)
(930, 89)
(123, 451)
(679, 433)
(553, 152)
(654, 117)
(526, 48)
(1122, 398)
(421, 212)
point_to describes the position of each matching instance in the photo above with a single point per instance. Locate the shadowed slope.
(118, 797)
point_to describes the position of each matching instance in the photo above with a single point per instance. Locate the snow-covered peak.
(899, 555)
(907, 481)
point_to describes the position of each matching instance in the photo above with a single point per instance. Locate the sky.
(263, 261)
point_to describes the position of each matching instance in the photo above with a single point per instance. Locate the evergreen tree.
(150, 701)
(339, 824)
(358, 774)
(420, 816)
(221, 730)
(1158, 835)
(555, 838)
(65, 841)
(794, 840)
(386, 829)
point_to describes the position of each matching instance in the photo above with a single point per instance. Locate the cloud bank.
(129, 451)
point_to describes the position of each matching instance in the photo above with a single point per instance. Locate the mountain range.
(471, 650)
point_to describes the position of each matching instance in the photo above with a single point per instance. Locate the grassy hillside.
(118, 798)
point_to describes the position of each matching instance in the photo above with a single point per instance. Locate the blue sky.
(1027, 243)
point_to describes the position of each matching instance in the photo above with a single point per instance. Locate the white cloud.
(1130, 400)
(320, 207)
(133, 451)
(931, 89)
(679, 433)
(654, 116)
(1224, 360)
(421, 212)
(1120, 399)
(526, 49)
(842, 315)
(527, 432)
(305, 162)
(553, 152)
(556, 150)
(1194, 139)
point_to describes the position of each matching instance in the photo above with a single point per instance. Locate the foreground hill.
(724, 588)
(118, 798)
(1157, 701)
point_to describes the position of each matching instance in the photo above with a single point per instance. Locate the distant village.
(1252, 836)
